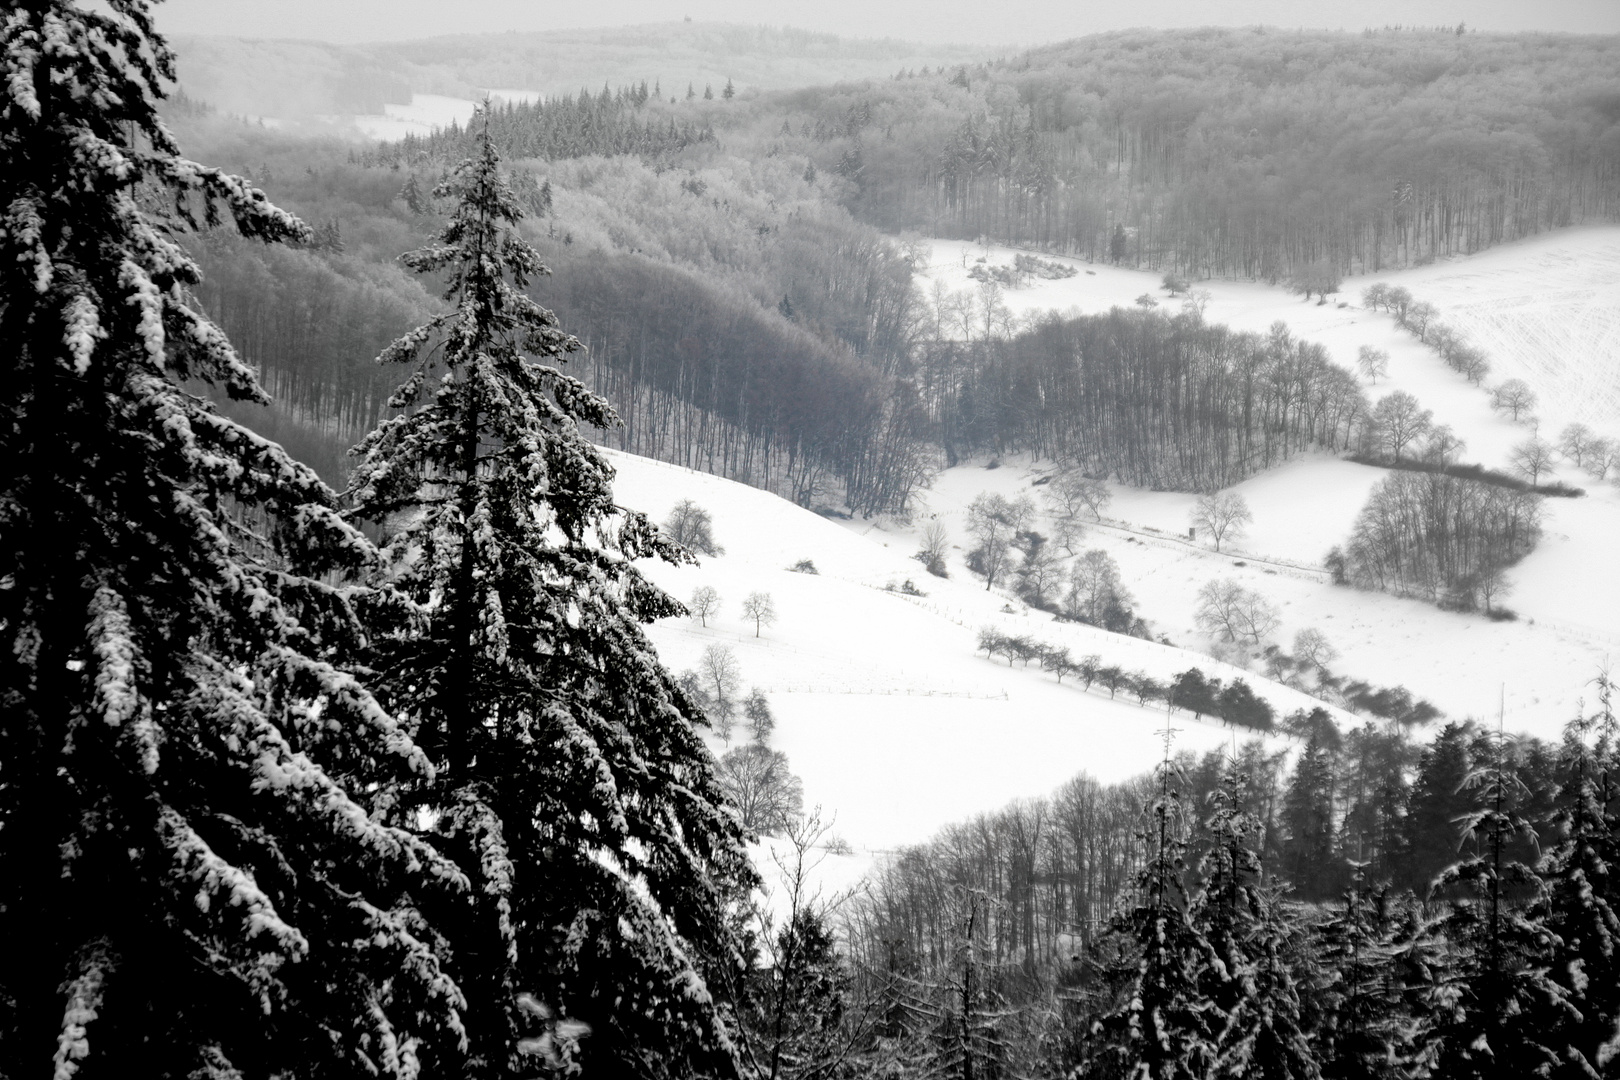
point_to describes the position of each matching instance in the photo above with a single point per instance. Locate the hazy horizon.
(1019, 22)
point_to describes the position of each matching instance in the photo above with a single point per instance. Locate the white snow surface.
(898, 726)
(884, 708)
(429, 112)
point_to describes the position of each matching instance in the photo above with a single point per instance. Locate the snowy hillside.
(885, 709)
(1545, 310)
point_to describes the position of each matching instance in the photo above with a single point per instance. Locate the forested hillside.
(1223, 152)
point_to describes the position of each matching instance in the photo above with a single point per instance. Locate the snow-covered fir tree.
(1156, 1023)
(195, 877)
(1491, 1006)
(574, 788)
(1359, 1032)
(1578, 907)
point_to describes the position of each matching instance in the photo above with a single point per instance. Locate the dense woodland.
(1222, 152)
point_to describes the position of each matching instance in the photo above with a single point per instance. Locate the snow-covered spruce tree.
(1360, 1032)
(193, 876)
(574, 789)
(1578, 907)
(1490, 1010)
(1157, 1025)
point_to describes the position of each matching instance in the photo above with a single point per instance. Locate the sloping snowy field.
(885, 709)
(898, 726)
(1545, 310)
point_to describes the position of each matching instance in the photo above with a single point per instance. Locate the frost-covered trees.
(199, 872)
(574, 790)
(1228, 611)
(936, 544)
(1221, 514)
(1096, 594)
(1071, 496)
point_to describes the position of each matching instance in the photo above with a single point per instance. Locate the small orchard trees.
(759, 609)
(1576, 442)
(761, 721)
(704, 604)
(1311, 648)
(759, 783)
(1222, 514)
(691, 526)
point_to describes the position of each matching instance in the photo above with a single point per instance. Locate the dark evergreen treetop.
(575, 790)
(190, 841)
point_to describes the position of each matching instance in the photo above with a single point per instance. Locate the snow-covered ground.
(427, 112)
(898, 726)
(1546, 310)
(885, 709)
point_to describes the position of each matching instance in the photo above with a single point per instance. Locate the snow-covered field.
(427, 112)
(898, 726)
(1546, 310)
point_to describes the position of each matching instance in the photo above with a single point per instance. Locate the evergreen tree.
(1436, 803)
(195, 875)
(1359, 1032)
(1157, 1025)
(1491, 1009)
(575, 790)
(1578, 907)
(1309, 860)
(1263, 1037)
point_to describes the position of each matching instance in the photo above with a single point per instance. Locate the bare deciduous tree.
(759, 783)
(1222, 514)
(1575, 443)
(1531, 458)
(993, 521)
(718, 674)
(759, 608)
(705, 603)
(1398, 420)
(690, 526)
(761, 721)
(1311, 648)
(1372, 362)
(1513, 397)
(935, 543)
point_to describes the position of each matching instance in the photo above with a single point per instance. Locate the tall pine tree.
(193, 877)
(574, 789)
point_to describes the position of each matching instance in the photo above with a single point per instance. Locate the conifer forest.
(439, 560)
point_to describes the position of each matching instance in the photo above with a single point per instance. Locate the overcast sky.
(991, 22)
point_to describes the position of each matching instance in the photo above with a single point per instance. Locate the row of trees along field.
(1376, 911)
(1158, 401)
